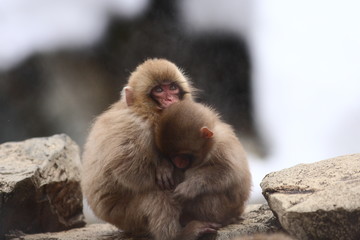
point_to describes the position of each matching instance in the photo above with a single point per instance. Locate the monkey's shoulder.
(119, 115)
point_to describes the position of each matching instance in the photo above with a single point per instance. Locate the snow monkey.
(217, 180)
(120, 159)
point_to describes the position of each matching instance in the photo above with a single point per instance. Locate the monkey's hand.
(164, 175)
(185, 191)
(194, 229)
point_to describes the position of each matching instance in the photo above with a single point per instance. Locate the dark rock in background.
(40, 185)
(63, 90)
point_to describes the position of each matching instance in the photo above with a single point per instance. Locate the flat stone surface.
(319, 200)
(40, 185)
(257, 219)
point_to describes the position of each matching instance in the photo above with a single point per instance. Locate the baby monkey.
(216, 180)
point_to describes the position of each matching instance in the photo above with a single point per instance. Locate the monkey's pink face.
(166, 94)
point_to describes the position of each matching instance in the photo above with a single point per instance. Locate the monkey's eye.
(173, 86)
(157, 89)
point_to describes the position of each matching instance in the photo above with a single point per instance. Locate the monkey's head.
(155, 85)
(185, 133)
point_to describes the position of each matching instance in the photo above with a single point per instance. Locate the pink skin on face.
(181, 161)
(166, 94)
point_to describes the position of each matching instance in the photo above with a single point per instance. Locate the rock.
(101, 231)
(319, 200)
(257, 219)
(40, 185)
(272, 236)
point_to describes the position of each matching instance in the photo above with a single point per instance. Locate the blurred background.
(285, 74)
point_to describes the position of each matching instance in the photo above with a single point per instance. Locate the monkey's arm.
(134, 164)
(122, 148)
(207, 179)
(220, 172)
(134, 177)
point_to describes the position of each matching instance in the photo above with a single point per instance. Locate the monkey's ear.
(206, 133)
(129, 96)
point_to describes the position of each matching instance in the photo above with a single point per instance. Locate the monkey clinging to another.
(120, 159)
(216, 180)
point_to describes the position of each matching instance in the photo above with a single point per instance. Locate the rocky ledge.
(257, 219)
(40, 198)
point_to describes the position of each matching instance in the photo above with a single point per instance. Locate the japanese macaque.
(120, 159)
(216, 181)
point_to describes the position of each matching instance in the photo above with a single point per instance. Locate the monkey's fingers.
(167, 182)
(209, 227)
(207, 230)
(164, 181)
(212, 225)
(199, 228)
(171, 180)
(160, 183)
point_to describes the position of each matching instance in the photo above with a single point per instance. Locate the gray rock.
(262, 236)
(100, 231)
(40, 185)
(319, 200)
(257, 219)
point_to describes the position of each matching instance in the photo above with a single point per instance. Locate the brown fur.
(120, 158)
(150, 74)
(218, 182)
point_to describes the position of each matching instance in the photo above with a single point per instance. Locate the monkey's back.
(116, 162)
(228, 145)
(225, 202)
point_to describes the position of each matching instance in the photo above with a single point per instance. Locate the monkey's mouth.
(182, 161)
(165, 103)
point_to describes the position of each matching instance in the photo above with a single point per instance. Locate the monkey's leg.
(162, 213)
(122, 209)
(216, 208)
(194, 229)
